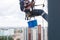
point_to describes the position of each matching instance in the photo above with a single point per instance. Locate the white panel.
(34, 34)
(46, 33)
(41, 33)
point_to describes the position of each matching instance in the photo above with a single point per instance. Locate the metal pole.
(43, 34)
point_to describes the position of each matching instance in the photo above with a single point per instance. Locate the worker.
(30, 11)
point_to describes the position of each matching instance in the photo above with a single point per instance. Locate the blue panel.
(32, 23)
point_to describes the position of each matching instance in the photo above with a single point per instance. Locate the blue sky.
(11, 15)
